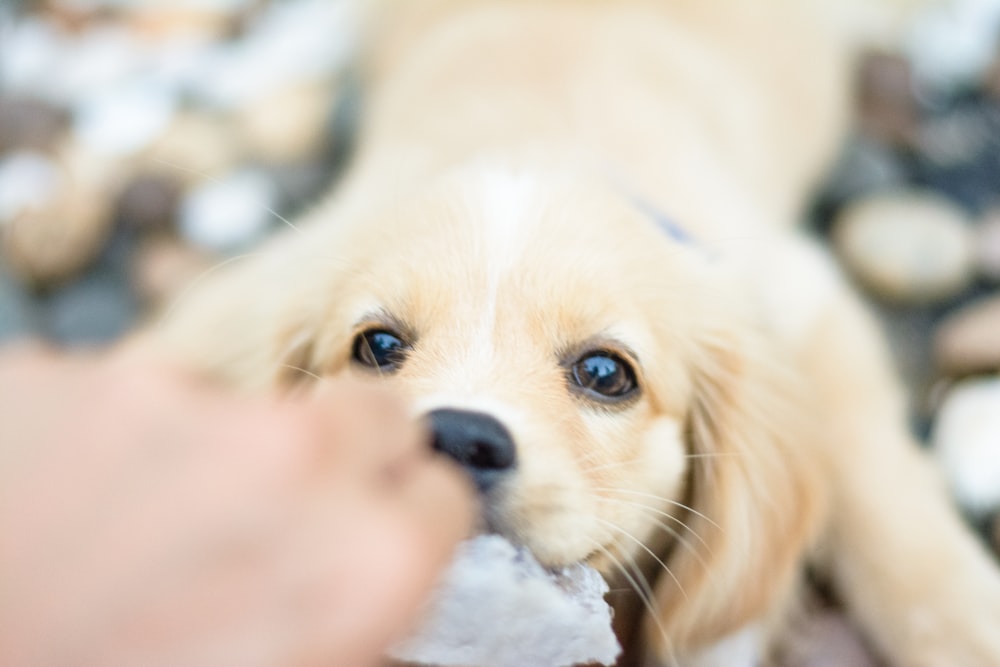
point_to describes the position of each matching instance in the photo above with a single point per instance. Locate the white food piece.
(497, 607)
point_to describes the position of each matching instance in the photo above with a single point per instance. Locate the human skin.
(149, 518)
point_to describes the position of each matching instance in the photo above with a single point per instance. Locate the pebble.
(29, 124)
(958, 153)
(951, 44)
(104, 56)
(29, 52)
(968, 341)
(28, 181)
(966, 443)
(162, 267)
(887, 107)
(196, 146)
(54, 239)
(828, 639)
(988, 246)
(97, 309)
(864, 166)
(121, 121)
(907, 247)
(149, 203)
(230, 213)
(288, 124)
(17, 312)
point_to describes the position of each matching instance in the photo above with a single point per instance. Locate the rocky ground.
(142, 142)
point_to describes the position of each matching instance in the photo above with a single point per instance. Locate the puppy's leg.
(918, 581)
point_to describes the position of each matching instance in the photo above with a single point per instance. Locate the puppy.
(567, 237)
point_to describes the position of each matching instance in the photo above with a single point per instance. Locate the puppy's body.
(541, 183)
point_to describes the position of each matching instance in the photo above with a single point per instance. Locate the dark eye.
(605, 374)
(379, 349)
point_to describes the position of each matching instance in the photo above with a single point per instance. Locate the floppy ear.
(756, 494)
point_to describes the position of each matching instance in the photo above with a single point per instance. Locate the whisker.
(666, 528)
(304, 371)
(608, 466)
(661, 499)
(378, 369)
(645, 548)
(644, 592)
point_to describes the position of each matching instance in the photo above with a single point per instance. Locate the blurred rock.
(968, 341)
(287, 124)
(996, 534)
(952, 43)
(17, 312)
(886, 104)
(121, 121)
(48, 241)
(230, 213)
(150, 203)
(299, 185)
(95, 310)
(162, 267)
(28, 181)
(906, 246)
(966, 442)
(991, 78)
(29, 124)
(909, 333)
(988, 246)
(959, 153)
(864, 166)
(196, 146)
(827, 639)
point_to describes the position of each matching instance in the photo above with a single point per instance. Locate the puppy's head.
(593, 375)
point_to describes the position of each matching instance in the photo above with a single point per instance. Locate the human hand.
(147, 518)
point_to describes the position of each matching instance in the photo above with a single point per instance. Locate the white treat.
(497, 607)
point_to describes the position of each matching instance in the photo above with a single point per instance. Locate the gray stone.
(966, 441)
(907, 246)
(95, 310)
(988, 246)
(968, 341)
(17, 312)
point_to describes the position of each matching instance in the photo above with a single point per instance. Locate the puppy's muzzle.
(477, 441)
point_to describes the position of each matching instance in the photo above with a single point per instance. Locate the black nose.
(477, 441)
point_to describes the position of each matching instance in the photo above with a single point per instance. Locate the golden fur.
(498, 211)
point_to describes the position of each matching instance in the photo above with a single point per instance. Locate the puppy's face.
(546, 329)
(593, 374)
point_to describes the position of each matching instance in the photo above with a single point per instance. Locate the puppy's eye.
(605, 374)
(379, 349)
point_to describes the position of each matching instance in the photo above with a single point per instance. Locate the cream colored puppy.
(566, 238)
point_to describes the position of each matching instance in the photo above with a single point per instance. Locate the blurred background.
(144, 142)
